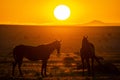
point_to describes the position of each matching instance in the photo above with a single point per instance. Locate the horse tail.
(97, 59)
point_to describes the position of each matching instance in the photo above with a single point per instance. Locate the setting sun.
(62, 12)
(57, 12)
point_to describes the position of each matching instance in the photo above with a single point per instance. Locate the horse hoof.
(12, 78)
(44, 76)
(83, 74)
(21, 75)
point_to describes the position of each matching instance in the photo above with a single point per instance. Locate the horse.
(41, 52)
(87, 52)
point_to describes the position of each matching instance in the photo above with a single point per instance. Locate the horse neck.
(51, 46)
(85, 45)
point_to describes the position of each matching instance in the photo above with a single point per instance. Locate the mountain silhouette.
(96, 23)
(100, 23)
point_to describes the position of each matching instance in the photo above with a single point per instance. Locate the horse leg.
(88, 65)
(82, 65)
(13, 68)
(45, 67)
(93, 66)
(42, 69)
(19, 67)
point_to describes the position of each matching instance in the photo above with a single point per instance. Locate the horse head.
(58, 46)
(84, 41)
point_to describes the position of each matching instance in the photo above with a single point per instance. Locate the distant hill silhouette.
(99, 23)
(91, 23)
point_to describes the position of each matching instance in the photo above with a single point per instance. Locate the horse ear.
(56, 40)
(86, 36)
(60, 40)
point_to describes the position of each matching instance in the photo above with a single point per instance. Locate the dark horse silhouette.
(87, 52)
(41, 52)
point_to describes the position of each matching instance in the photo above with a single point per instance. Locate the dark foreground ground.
(55, 71)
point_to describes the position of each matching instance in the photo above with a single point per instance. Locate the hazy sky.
(41, 11)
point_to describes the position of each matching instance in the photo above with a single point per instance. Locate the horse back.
(31, 52)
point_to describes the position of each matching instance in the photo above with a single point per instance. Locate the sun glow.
(62, 12)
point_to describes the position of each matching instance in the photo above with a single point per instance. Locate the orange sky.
(41, 11)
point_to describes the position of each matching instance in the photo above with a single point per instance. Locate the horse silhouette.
(87, 52)
(41, 52)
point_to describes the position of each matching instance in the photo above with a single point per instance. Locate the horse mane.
(84, 43)
(55, 43)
